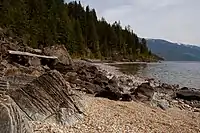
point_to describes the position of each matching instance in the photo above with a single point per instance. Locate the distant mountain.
(174, 51)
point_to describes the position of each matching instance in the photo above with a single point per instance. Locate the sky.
(173, 20)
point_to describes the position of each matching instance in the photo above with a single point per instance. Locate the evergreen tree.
(41, 23)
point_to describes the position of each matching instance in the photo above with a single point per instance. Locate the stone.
(61, 52)
(34, 61)
(62, 68)
(71, 76)
(188, 94)
(12, 118)
(108, 94)
(49, 98)
(12, 71)
(144, 92)
(126, 97)
(36, 73)
(163, 104)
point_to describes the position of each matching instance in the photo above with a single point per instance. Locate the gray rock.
(188, 94)
(12, 118)
(34, 61)
(144, 92)
(45, 97)
(48, 98)
(163, 104)
(61, 52)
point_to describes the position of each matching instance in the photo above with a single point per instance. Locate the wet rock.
(91, 88)
(110, 92)
(150, 79)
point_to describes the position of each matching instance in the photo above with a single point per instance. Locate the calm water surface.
(182, 73)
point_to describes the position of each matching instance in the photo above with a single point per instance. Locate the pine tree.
(41, 23)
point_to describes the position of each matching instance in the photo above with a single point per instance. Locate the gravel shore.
(107, 116)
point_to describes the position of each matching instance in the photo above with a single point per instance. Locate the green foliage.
(41, 23)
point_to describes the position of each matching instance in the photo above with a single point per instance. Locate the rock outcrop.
(48, 98)
(12, 118)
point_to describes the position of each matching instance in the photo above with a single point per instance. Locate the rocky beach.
(46, 91)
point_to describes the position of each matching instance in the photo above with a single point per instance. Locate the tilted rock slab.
(12, 119)
(48, 98)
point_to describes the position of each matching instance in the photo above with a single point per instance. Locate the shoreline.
(112, 101)
(108, 116)
(163, 91)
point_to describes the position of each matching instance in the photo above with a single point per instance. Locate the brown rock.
(61, 52)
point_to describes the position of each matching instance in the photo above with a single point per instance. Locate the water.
(182, 73)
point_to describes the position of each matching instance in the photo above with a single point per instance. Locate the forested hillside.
(41, 23)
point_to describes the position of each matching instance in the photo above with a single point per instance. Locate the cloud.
(174, 20)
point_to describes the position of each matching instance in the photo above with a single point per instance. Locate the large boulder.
(144, 92)
(188, 94)
(59, 51)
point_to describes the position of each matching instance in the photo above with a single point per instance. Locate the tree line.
(41, 23)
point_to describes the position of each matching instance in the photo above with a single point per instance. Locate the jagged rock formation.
(47, 98)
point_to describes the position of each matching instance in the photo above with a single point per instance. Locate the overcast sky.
(173, 20)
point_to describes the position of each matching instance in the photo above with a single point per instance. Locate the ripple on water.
(182, 73)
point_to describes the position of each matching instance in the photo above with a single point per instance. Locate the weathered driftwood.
(30, 59)
(30, 54)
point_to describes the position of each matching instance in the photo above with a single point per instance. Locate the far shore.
(110, 62)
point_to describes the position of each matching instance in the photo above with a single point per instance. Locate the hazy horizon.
(174, 21)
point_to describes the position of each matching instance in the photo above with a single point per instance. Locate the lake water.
(182, 73)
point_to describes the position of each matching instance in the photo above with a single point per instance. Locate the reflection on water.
(182, 73)
(131, 68)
